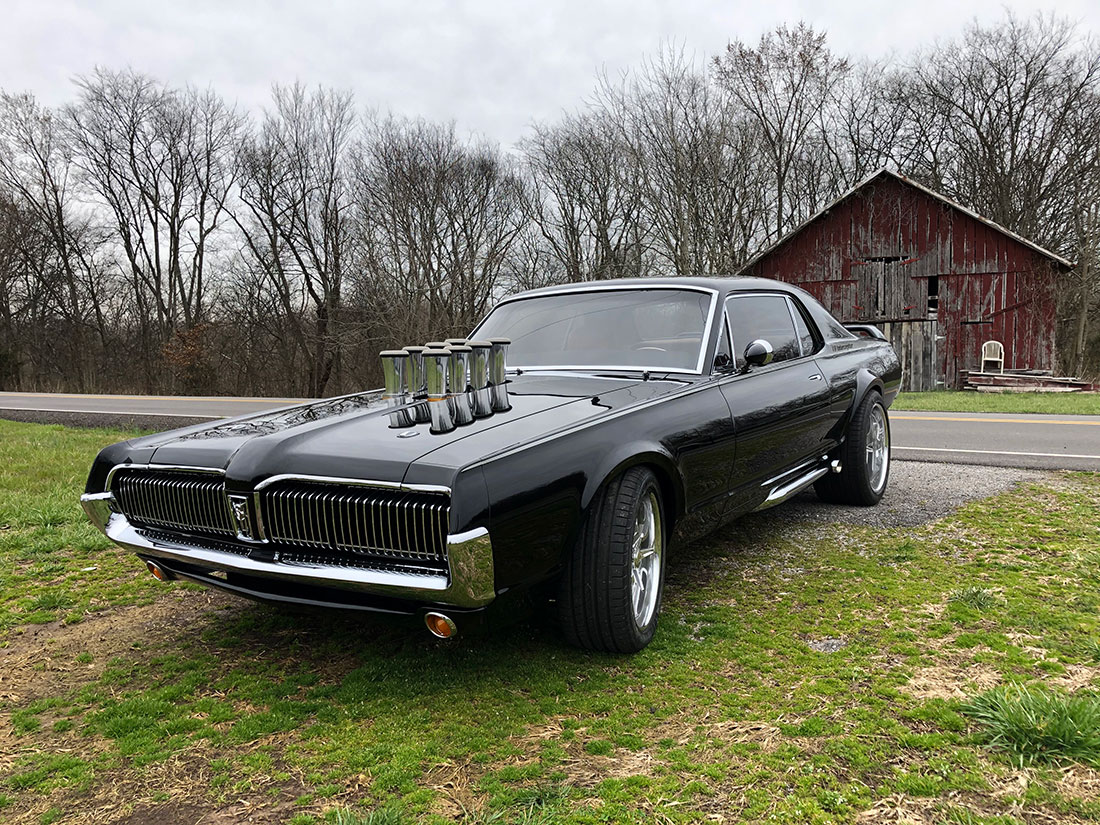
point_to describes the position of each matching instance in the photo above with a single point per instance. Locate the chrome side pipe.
(436, 366)
(459, 386)
(498, 374)
(418, 386)
(395, 363)
(479, 378)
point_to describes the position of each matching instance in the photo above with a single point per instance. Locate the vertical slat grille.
(194, 502)
(390, 524)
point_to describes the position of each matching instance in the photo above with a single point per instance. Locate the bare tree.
(786, 84)
(587, 197)
(158, 159)
(296, 219)
(437, 221)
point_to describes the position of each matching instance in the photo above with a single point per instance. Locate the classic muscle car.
(564, 447)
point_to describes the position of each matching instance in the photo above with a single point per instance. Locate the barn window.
(933, 296)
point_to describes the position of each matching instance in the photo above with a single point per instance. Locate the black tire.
(857, 483)
(595, 596)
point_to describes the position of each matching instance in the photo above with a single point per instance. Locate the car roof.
(721, 285)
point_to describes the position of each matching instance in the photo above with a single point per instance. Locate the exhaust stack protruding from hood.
(418, 387)
(460, 367)
(395, 364)
(436, 365)
(479, 378)
(498, 374)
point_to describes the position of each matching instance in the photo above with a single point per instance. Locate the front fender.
(625, 456)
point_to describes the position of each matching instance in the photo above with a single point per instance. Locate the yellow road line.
(895, 417)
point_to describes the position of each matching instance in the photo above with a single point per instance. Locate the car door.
(781, 411)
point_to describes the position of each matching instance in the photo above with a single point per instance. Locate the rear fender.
(866, 382)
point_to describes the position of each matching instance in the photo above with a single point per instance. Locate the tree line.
(158, 239)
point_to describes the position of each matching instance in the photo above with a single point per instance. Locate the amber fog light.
(440, 626)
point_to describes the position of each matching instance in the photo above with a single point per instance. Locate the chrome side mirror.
(758, 353)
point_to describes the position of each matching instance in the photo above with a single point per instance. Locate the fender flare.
(866, 382)
(625, 456)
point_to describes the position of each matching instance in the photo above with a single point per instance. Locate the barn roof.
(884, 172)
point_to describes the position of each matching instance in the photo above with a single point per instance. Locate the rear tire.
(864, 458)
(610, 591)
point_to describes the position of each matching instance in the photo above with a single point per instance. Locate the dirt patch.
(1080, 782)
(951, 681)
(41, 660)
(1075, 678)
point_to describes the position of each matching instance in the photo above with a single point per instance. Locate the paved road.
(1068, 442)
(997, 439)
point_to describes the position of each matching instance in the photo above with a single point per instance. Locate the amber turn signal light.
(440, 626)
(157, 571)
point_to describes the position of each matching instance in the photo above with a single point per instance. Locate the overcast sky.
(492, 66)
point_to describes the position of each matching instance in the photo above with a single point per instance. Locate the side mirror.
(758, 353)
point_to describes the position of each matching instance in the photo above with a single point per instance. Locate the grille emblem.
(239, 507)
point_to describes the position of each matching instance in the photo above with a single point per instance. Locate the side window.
(802, 327)
(767, 317)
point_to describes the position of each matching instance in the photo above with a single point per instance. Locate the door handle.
(816, 376)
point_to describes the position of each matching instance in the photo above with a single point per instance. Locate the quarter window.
(763, 316)
(805, 337)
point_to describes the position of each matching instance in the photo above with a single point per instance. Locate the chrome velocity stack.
(395, 363)
(436, 365)
(459, 372)
(498, 374)
(479, 378)
(418, 385)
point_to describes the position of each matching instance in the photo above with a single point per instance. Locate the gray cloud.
(492, 67)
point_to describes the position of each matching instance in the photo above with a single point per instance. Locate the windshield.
(632, 329)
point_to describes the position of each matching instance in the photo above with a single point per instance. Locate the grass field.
(802, 674)
(1056, 403)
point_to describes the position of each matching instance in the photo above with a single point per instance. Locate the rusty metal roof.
(886, 172)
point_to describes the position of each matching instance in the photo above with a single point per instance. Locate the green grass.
(1035, 724)
(121, 691)
(1053, 403)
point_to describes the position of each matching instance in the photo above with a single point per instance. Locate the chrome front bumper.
(470, 558)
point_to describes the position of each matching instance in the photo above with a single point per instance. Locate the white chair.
(993, 354)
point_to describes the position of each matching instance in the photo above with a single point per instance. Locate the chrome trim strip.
(180, 467)
(704, 344)
(355, 482)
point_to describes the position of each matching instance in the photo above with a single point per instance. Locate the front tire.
(610, 590)
(864, 458)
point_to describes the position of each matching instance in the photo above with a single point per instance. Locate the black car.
(577, 434)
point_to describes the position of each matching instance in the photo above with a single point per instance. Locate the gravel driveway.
(918, 492)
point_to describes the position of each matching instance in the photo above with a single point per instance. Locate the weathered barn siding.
(939, 280)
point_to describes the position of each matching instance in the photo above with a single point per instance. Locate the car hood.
(351, 436)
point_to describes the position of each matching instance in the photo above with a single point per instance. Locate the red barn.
(937, 278)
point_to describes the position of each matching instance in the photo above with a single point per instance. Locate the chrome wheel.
(645, 572)
(878, 448)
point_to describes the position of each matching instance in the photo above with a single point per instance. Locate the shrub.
(1034, 724)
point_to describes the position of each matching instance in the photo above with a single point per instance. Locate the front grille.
(305, 523)
(194, 502)
(391, 525)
